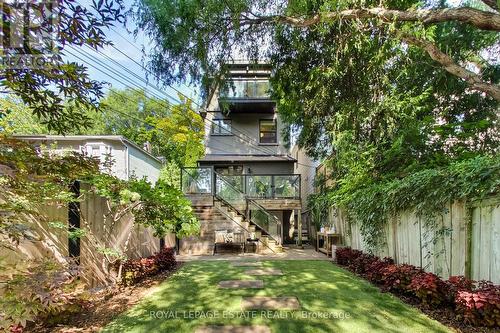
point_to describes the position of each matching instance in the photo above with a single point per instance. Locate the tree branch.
(474, 80)
(480, 19)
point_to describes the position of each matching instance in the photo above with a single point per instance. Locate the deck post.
(299, 226)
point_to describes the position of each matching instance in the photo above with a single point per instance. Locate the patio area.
(289, 253)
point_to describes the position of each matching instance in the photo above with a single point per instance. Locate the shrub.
(375, 268)
(429, 289)
(479, 307)
(346, 255)
(42, 288)
(135, 270)
(165, 259)
(397, 278)
(361, 263)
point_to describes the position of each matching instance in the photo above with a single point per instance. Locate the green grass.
(321, 288)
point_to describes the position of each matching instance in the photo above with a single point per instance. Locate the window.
(221, 127)
(267, 131)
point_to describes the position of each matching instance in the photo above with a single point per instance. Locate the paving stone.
(270, 303)
(264, 271)
(234, 284)
(247, 263)
(233, 329)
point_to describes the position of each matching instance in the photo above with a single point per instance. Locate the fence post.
(468, 240)
(74, 222)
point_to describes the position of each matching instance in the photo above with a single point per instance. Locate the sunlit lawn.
(322, 289)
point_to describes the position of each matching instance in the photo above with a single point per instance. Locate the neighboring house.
(129, 160)
(247, 168)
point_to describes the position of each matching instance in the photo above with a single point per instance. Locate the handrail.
(221, 177)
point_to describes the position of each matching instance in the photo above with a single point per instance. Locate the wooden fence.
(466, 240)
(101, 232)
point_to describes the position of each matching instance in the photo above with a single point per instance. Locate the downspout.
(127, 159)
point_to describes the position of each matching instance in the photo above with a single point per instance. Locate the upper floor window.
(221, 127)
(268, 131)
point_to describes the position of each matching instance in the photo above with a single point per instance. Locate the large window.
(268, 131)
(221, 127)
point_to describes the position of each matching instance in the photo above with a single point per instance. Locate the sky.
(117, 69)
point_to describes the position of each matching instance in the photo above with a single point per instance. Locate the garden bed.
(460, 303)
(106, 305)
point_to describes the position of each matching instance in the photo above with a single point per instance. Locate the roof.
(118, 138)
(247, 158)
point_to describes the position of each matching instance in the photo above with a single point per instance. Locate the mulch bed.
(106, 306)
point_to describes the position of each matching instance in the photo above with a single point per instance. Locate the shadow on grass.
(331, 299)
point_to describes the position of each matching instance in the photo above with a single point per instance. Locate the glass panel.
(196, 180)
(268, 126)
(265, 220)
(221, 127)
(229, 193)
(267, 137)
(287, 186)
(249, 89)
(259, 186)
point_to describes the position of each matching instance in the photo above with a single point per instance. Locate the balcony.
(203, 180)
(248, 96)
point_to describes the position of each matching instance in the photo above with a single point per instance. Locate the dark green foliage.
(49, 89)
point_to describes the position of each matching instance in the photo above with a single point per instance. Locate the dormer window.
(221, 127)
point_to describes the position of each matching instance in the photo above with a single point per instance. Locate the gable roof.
(117, 138)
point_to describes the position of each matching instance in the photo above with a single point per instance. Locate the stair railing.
(249, 208)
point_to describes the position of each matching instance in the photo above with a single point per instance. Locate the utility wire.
(261, 149)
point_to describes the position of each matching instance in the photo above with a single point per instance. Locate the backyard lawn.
(331, 300)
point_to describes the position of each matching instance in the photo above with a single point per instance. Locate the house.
(128, 159)
(306, 167)
(245, 184)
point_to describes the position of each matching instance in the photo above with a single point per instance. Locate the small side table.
(329, 239)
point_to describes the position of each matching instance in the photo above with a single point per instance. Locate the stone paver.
(235, 284)
(247, 263)
(234, 329)
(264, 271)
(270, 303)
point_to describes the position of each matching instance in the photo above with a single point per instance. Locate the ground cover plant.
(473, 302)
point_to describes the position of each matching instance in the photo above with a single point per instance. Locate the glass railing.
(196, 180)
(269, 223)
(248, 89)
(230, 194)
(199, 180)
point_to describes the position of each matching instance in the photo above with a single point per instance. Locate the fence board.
(442, 248)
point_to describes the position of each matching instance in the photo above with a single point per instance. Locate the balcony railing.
(251, 89)
(203, 180)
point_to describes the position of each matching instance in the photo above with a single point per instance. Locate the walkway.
(290, 253)
(256, 296)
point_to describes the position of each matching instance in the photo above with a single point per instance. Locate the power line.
(251, 144)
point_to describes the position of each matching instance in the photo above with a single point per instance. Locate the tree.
(195, 39)
(48, 88)
(175, 132)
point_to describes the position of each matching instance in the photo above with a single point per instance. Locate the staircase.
(225, 207)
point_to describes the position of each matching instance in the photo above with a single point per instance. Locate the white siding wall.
(142, 165)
